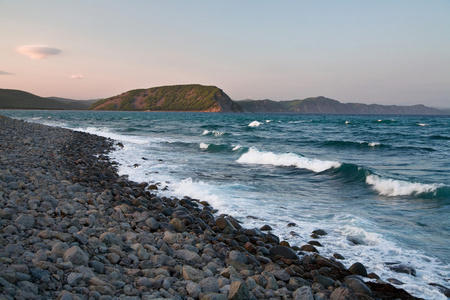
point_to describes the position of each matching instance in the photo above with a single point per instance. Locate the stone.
(239, 291)
(76, 256)
(25, 220)
(109, 239)
(358, 269)
(343, 293)
(400, 268)
(193, 289)
(152, 223)
(178, 225)
(303, 293)
(74, 278)
(28, 287)
(188, 256)
(323, 280)
(319, 232)
(192, 274)
(283, 251)
(266, 228)
(357, 285)
(309, 248)
(209, 285)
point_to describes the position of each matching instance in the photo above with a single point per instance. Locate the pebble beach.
(72, 228)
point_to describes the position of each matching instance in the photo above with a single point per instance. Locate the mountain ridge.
(17, 99)
(195, 97)
(323, 105)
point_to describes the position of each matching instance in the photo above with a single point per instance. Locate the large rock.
(188, 256)
(283, 251)
(76, 256)
(192, 274)
(343, 293)
(357, 285)
(193, 289)
(109, 239)
(358, 269)
(303, 293)
(209, 285)
(25, 220)
(239, 291)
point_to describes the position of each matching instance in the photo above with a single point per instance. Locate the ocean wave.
(440, 137)
(254, 156)
(254, 124)
(351, 144)
(214, 132)
(204, 146)
(392, 188)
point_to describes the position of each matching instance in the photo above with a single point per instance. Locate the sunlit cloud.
(5, 73)
(37, 51)
(76, 76)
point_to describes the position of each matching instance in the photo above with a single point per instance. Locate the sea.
(379, 185)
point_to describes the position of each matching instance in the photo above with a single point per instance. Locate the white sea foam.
(237, 147)
(254, 124)
(347, 122)
(254, 156)
(422, 124)
(214, 132)
(374, 144)
(204, 146)
(391, 187)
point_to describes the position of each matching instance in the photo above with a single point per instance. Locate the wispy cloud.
(79, 76)
(5, 73)
(37, 51)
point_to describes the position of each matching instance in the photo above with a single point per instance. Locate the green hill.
(16, 99)
(192, 97)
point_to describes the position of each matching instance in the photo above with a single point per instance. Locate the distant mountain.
(322, 105)
(193, 97)
(16, 99)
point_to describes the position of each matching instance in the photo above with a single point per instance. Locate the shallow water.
(379, 185)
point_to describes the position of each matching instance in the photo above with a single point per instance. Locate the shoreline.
(72, 228)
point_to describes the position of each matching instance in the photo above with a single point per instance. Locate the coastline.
(72, 228)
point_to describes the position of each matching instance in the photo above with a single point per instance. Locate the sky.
(383, 51)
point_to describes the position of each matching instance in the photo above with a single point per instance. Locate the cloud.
(5, 73)
(37, 51)
(76, 76)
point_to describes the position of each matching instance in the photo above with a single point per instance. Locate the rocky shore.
(72, 228)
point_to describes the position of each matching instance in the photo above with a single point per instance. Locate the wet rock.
(358, 269)
(357, 285)
(266, 228)
(309, 248)
(343, 293)
(403, 269)
(283, 251)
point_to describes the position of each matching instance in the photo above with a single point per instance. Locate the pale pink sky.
(388, 52)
